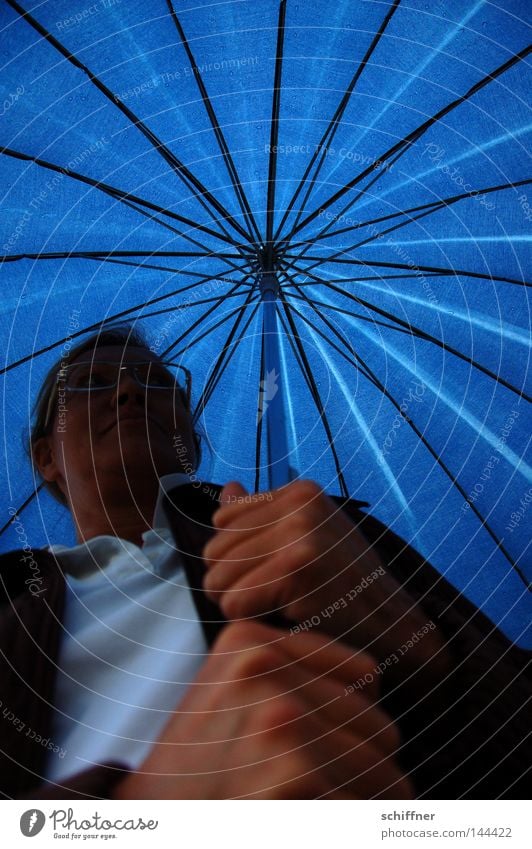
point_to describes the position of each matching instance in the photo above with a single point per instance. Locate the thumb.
(230, 492)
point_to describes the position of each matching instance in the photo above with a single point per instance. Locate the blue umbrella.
(322, 210)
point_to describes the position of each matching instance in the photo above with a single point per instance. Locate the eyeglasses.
(94, 376)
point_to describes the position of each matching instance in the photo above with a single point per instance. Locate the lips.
(131, 418)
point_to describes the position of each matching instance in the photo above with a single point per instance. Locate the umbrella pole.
(271, 406)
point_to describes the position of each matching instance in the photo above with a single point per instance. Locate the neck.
(116, 508)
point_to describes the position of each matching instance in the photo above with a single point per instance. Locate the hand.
(268, 717)
(294, 551)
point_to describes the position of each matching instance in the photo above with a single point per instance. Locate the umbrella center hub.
(268, 282)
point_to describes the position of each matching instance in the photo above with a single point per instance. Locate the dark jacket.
(470, 738)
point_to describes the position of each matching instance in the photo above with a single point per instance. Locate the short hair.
(123, 336)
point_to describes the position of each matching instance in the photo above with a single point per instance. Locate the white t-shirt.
(131, 644)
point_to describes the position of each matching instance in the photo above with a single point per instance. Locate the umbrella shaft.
(271, 406)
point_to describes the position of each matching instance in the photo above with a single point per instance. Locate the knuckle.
(255, 662)
(238, 635)
(302, 526)
(276, 718)
(304, 491)
(303, 551)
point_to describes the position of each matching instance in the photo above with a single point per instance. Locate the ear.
(44, 458)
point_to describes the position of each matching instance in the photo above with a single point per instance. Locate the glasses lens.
(156, 376)
(83, 377)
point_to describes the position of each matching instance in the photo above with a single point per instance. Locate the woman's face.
(128, 430)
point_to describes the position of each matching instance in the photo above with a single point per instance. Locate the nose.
(127, 390)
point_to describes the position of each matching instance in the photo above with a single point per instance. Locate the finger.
(230, 548)
(222, 573)
(322, 655)
(337, 757)
(318, 697)
(231, 492)
(280, 503)
(268, 588)
(329, 701)
(236, 555)
(277, 522)
(355, 766)
(239, 651)
(319, 692)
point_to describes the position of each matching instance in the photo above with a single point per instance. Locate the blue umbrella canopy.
(323, 211)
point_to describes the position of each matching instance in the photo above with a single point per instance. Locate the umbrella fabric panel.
(65, 120)
(375, 118)
(333, 50)
(146, 66)
(81, 217)
(430, 329)
(485, 323)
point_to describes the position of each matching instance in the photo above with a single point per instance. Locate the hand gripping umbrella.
(323, 210)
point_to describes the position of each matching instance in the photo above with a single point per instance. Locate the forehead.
(117, 353)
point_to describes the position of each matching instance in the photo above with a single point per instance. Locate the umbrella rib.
(185, 306)
(188, 178)
(169, 227)
(432, 206)
(370, 375)
(171, 270)
(201, 318)
(316, 396)
(218, 132)
(22, 507)
(398, 226)
(427, 337)
(348, 206)
(401, 146)
(107, 321)
(333, 125)
(117, 194)
(366, 318)
(294, 349)
(362, 192)
(443, 466)
(105, 254)
(223, 359)
(324, 336)
(198, 339)
(274, 131)
(180, 351)
(445, 272)
(364, 279)
(168, 268)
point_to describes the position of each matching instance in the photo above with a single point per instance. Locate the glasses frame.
(131, 368)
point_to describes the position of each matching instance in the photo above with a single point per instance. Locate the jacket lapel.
(189, 509)
(31, 606)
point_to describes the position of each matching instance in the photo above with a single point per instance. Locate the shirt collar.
(96, 552)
